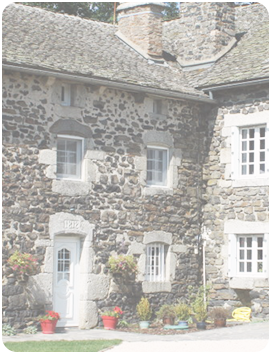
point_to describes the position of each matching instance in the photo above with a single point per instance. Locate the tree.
(100, 11)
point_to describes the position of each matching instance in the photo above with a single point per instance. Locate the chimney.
(140, 25)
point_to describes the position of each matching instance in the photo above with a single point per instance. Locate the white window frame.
(66, 94)
(156, 262)
(79, 158)
(236, 144)
(164, 181)
(234, 256)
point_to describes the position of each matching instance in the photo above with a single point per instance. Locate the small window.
(69, 157)
(157, 107)
(64, 261)
(157, 166)
(252, 151)
(66, 94)
(156, 262)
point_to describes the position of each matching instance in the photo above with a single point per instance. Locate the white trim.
(165, 168)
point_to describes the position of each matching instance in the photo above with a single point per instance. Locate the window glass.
(69, 158)
(157, 165)
(250, 254)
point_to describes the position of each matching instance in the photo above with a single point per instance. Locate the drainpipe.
(205, 237)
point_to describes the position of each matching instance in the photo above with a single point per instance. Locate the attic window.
(157, 107)
(66, 94)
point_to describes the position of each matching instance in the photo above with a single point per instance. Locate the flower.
(51, 315)
(124, 264)
(117, 312)
(23, 263)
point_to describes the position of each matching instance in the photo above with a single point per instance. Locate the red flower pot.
(109, 322)
(48, 326)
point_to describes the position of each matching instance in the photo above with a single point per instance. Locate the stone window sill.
(250, 182)
(153, 287)
(155, 190)
(248, 283)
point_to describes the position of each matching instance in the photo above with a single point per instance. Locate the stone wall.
(233, 205)
(113, 198)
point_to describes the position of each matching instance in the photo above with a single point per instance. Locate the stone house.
(145, 138)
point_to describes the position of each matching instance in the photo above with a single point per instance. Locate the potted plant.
(49, 321)
(167, 314)
(110, 318)
(23, 264)
(124, 265)
(144, 312)
(199, 306)
(183, 312)
(219, 316)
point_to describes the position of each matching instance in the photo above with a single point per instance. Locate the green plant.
(123, 324)
(8, 330)
(183, 311)
(219, 313)
(116, 312)
(50, 315)
(23, 263)
(144, 309)
(124, 264)
(166, 311)
(199, 303)
(31, 330)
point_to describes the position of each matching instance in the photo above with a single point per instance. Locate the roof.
(38, 38)
(248, 60)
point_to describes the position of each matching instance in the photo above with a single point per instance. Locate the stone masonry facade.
(113, 197)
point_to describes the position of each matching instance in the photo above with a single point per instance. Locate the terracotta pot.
(168, 320)
(109, 322)
(48, 326)
(220, 322)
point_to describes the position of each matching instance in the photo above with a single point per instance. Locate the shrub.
(166, 311)
(8, 330)
(183, 311)
(124, 264)
(219, 313)
(23, 263)
(30, 330)
(144, 310)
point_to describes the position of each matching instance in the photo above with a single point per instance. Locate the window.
(248, 255)
(156, 262)
(252, 151)
(66, 94)
(157, 166)
(63, 265)
(69, 157)
(157, 107)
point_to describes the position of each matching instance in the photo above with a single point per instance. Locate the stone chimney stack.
(140, 25)
(209, 27)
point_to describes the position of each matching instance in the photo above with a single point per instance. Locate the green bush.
(8, 330)
(144, 310)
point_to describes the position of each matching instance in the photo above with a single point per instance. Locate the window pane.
(249, 267)
(241, 267)
(251, 145)
(249, 242)
(259, 267)
(262, 132)
(251, 133)
(242, 242)
(244, 169)
(260, 255)
(251, 157)
(262, 156)
(251, 169)
(244, 133)
(249, 254)
(244, 157)
(260, 242)
(244, 146)
(242, 254)
(262, 168)
(262, 144)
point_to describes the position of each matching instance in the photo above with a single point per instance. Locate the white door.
(66, 278)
